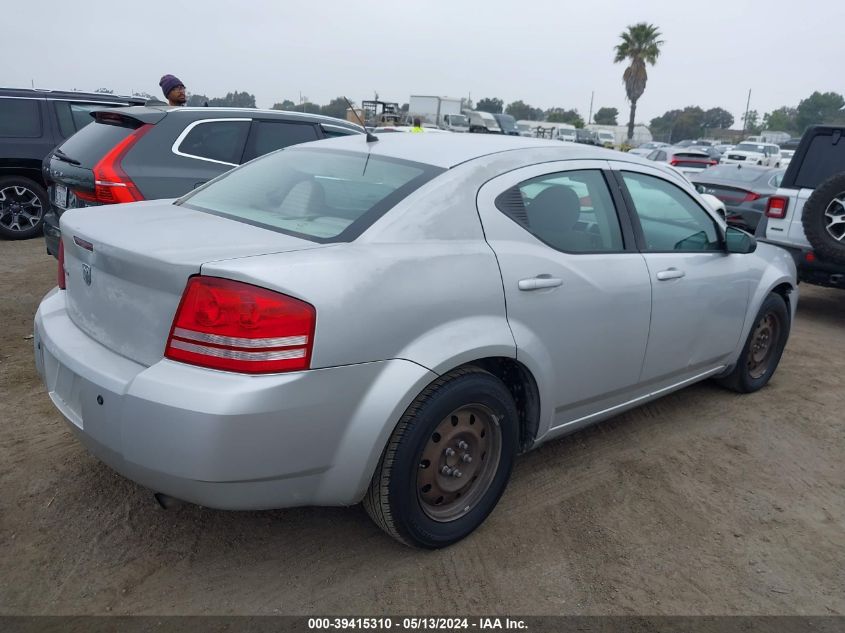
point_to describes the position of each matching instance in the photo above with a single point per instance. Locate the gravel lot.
(704, 502)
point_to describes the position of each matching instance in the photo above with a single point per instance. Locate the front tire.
(763, 348)
(22, 206)
(447, 462)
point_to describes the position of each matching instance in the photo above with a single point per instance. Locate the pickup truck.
(806, 216)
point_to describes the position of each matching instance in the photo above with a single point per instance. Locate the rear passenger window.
(20, 118)
(66, 126)
(81, 113)
(570, 211)
(219, 141)
(75, 116)
(268, 136)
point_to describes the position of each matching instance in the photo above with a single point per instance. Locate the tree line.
(671, 126)
(694, 122)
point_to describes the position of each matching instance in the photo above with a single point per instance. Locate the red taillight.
(60, 275)
(810, 257)
(776, 208)
(712, 162)
(751, 197)
(111, 184)
(673, 162)
(234, 326)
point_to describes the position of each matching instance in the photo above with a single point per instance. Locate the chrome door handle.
(670, 273)
(539, 282)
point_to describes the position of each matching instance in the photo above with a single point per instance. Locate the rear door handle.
(670, 273)
(539, 282)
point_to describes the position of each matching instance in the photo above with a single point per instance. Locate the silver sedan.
(393, 321)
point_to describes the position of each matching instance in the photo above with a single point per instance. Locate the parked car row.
(63, 150)
(147, 153)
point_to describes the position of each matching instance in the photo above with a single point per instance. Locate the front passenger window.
(670, 219)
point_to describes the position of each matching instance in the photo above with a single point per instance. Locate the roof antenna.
(371, 138)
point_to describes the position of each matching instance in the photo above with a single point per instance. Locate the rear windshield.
(93, 141)
(749, 147)
(317, 194)
(732, 173)
(823, 159)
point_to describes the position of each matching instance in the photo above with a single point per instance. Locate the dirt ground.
(704, 502)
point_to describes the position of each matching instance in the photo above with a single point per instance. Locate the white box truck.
(444, 112)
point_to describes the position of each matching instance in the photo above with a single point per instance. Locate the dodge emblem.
(86, 274)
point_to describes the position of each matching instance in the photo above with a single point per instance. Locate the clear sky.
(545, 53)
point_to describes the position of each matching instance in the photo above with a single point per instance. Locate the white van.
(606, 137)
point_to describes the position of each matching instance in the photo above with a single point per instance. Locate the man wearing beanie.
(173, 89)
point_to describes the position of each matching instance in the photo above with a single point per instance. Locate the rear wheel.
(448, 461)
(763, 348)
(22, 205)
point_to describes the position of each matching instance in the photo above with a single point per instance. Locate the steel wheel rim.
(20, 208)
(459, 462)
(835, 218)
(762, 345)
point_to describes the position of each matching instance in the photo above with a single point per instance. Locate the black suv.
(33, 122)
(146, 153)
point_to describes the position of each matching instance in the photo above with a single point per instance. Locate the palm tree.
(641, 45)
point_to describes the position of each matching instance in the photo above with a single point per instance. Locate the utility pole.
(590, 118)
(745, 118)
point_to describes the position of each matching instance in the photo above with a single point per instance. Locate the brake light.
(751, 197)
(673, 162)
(60, 275)
(712, 162)
(810, 257)
(234, 326)
(776, 207)
(111, 184)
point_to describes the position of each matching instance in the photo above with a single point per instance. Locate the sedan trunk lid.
(126, 267)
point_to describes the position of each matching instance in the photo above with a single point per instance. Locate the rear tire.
(763, 348)
(464, 422)
(824, 219)
(22, 206)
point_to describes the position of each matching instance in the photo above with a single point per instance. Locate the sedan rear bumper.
(220, 439)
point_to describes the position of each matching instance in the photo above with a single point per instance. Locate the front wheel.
(763, 348)
(448, 461)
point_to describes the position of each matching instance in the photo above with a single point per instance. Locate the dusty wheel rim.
(834, 217)
(20, 208)
(763, 342)
(459, 462)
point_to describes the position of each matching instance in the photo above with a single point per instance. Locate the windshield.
(749, 147)
(457, 119)
(321, 195)
(507, 122)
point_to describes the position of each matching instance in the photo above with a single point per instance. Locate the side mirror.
(740, 242)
